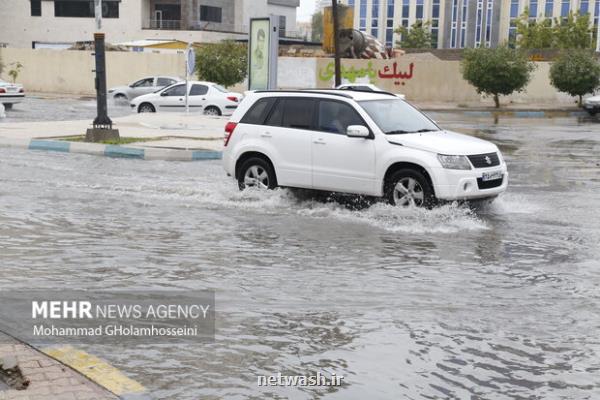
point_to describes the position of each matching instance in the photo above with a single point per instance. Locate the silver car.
(146, 85)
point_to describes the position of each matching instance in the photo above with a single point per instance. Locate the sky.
(306, 10)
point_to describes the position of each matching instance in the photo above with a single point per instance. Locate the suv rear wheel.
(258, 173)
(408, 187)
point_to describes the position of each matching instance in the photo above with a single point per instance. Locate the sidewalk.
(43, 377)
(163, 136)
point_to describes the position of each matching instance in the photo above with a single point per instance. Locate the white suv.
(364, 143)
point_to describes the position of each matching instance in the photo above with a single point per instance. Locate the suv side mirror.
(163, 94)
(357, 131)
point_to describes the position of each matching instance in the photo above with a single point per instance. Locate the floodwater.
(497, 303)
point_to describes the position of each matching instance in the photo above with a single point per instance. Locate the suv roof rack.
(318, 91)
(354, 89)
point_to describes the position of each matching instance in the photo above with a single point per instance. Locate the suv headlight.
(454, 162)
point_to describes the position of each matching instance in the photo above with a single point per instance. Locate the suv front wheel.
(258, 173)
(408, 187)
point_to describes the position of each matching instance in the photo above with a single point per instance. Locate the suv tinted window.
(298, 113)
(198, 90)
(290, 112)
(178, 90)
(258, 112)
(336, 117)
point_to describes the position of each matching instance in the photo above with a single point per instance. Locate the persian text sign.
(389, 71)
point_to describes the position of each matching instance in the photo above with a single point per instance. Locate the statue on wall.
(357, 44)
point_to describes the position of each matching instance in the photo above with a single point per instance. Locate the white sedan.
(146, 85)
(11, 93)
(592, 105)
(206, 97)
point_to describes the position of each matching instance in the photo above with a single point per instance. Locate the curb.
(114, 151)
(514, 114)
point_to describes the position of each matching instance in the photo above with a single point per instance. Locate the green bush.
(576, 72)
(495, 72)
(225, 63)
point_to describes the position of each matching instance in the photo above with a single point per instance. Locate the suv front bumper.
(468, 185)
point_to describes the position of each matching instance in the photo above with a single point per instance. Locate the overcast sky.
(306, 9)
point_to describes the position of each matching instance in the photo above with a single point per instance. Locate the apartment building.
(460, 23)
(59, 23)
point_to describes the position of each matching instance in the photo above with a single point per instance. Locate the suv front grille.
(481, 184)
(484, 160)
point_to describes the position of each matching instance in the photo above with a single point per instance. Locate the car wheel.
(409, 188)
(593, 112)
(120, 98)
(8, 106)
(212, 111)
(146, 108)
(256, 172)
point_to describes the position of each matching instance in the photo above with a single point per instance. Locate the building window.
(405, 9)
(36, 8)
(463, 23)
(419, 10)
(363, 15)
(565, 7)
(548, 12)
(584, 7)
(533, 9)
(453, 28)
(488, 23)
(375, 18)
(282, 25)
(210, 14)
(478, 23)
(85, 9)
(389, 29)
(514, 9)
(435, 23)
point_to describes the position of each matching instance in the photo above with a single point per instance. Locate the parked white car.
(360, 143)
(365, 87)
(146, 85)
(11, 93)
(206, 97)
(592, 105)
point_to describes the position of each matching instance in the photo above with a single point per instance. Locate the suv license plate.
(491, 176)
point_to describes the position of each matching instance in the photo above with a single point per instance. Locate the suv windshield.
(395, 116)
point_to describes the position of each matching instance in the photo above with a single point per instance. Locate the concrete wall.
(68, 71)
(428, 80)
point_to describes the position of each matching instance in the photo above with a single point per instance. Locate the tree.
(495, 72)
(225, 63)
(574, 32)
(418, 36)
(575, 72)
(317, 27)
(567, 33)
(534, 34)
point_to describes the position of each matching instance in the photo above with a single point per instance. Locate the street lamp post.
(336, 43)
(102, 126)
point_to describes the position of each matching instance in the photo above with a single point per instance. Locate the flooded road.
(501, 302)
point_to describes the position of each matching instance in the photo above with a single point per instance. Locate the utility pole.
(336, 43)
(102, 126)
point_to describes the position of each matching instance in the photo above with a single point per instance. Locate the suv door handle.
(319, 141)
(266, 134)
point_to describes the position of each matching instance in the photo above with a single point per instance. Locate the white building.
(59, 23)
(461, 23)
